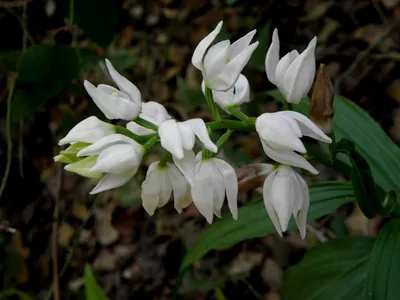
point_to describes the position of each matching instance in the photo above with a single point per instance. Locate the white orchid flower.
(286, 194)
(179, 138)
(238, 94)
(153, 112)
(159, 184)
(125, 103)
(280, 135)
(294, 73)
(215, 178)
(84, 167)
(118, 156)
(89, 130)
(222, 63)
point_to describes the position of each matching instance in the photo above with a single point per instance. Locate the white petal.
(118, 159)
(288, 157)
(300, 75)
(307, 127)
(187, 166)
(154, 112)
(232, 70)
(214, 61)
(272, 128)
(139, 130)
(100, 98)
(199, 128)
(201, 195)
(187, 135)
(180, 189)
(267, 187)
(89, 131)
(106, 142)
(170, 138)
(202, 47)
(165, 188)
(231, 184)
(280, 72)
(124, 84)
(216, 183)
(111, 181)
(283, 193)
(272, 57)
(151, 189)
(241, 44)
(242, 90)
(301, 218)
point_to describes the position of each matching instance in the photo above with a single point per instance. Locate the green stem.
(146, 124)
(164, 159)
(332, 147)
(231, 124)
(235, 111)
(138, 138)
(224, 138)
(9, 139)
(150, 143)
(211, 104)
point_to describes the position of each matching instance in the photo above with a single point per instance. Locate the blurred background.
(47, 49)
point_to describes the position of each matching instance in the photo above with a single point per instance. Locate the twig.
(75, 243)
(13, 4)
(54, 234)
(12, 79)
(379, 10)
(363, 54)
(22, 24)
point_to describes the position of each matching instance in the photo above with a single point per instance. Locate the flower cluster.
(113, 153)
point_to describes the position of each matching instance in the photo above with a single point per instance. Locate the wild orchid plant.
(114, 153)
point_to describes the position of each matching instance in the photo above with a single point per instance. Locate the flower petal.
(232, 70)
(214, 62)
(267, 187)
(106, 142)
(111, 181)
(230, 183)
(241, 44)
(300, 74)
(170, 138)
(202, 195)
(89, 131)
(202, 47)
(180, 188)
(307, 127)
(154, 112)
(124, 84)
(187, 166)
(301, 217)
(151, 189)
(139, 130)
(242, 90)
(118, 159)
(83, 167)
(288, 157)
(187, 135)
(199, 128)
(272, 57)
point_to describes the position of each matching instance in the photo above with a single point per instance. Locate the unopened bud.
(322, 95)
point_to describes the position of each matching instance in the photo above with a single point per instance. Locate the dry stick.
(11, 85)
(54, 233)
(363, 54)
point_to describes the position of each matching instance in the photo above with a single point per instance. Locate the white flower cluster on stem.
(114, 153)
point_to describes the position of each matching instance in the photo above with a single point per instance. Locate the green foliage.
(383, 275)
(14, 292)
(189, 97)
(97, 18)
(324, 198)
(335, 270)
(363, 184)
(43, 72)
(92, 289)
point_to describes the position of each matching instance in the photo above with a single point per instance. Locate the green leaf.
(355, 124)
(368, 197)
(97, 18)
(43, 72)
(335, 270)
(253, 220)
(383, 275)
(92, 289)
(14, 292)
(189, 97)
